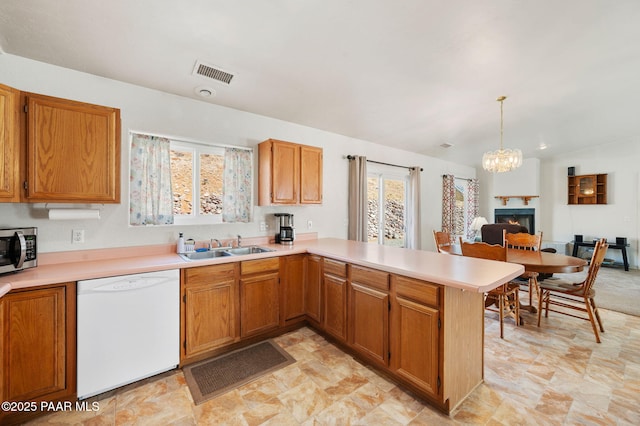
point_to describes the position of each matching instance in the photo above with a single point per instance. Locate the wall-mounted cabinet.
(57, 150)
(73, 151)
(587, 189)
(289, 173)
(9, 144)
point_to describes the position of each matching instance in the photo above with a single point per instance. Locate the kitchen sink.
(211, 254)
(200, 255)
(248, 250)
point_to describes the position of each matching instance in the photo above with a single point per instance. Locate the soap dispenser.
(180, 248)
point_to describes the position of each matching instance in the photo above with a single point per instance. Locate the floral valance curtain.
(236, 200)
(150, 198)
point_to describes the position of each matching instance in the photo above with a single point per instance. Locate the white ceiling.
(412, 74)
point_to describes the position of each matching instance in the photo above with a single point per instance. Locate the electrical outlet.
(309, 224)
(77, 236)
(263, 226)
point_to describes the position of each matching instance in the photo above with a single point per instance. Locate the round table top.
(540, 261)
(535, 261)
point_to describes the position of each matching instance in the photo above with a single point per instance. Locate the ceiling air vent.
(212, 72)
(446, 145)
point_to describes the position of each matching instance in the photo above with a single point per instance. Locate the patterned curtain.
(448, 203)
(473, 191)
(150, 197)
(236, 198)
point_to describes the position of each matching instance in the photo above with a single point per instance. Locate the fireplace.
(524, 217)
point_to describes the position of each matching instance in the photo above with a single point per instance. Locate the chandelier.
(501, 160)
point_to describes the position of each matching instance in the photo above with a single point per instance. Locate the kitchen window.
(183, 183)
(197, 174)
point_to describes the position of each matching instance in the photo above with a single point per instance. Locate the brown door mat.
(212, 377)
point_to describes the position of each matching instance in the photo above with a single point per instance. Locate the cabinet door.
(415, 344)
(73, 151)
(9, 144)
(259, 304)
(369, 322)
(335, 306)
(210, 316)
(310, 175)
(39, 344)
(285, 172)
(312, 292)
(292, 294)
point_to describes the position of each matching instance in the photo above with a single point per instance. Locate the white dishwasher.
(128, 329)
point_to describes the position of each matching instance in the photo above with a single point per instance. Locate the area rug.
(212, 377)
(616, 289)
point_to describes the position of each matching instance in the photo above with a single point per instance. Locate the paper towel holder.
(72, 213)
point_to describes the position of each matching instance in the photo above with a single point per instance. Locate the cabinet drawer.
(335, 267)
(261, 265)
(419, 291)
(370, 277)
(210, 274)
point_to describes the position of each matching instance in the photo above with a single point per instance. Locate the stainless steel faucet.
(217, 242)
(239, 240)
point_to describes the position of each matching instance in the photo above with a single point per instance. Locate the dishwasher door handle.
(125, 284)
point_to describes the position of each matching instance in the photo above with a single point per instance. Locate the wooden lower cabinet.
(416, 333)
(292, 276)
(259, 294)
(334, 285)
(210, 308)
(369, 308)
(38, 346)
(313, 289)
(416, 344)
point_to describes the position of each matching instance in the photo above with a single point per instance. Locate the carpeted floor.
(616, 289)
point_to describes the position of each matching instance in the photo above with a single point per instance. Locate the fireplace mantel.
(525, 198)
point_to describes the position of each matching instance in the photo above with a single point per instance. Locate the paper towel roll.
(73, 214)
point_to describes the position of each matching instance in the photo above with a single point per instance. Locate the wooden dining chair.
(526, 241)
(442, 239)
(575, 296)
(505, 295)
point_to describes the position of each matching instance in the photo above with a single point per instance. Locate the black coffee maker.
(286, 233)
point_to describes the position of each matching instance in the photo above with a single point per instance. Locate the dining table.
(533, 261)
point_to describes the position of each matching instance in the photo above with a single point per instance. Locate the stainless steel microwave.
(18, 249)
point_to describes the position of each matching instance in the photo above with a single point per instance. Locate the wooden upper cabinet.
(289, 173)
(587, 189)
(9, 145)
(310, 175)
(285, 171)
(73, 151)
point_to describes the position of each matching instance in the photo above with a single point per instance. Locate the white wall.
(161, 113)
(618, 218)
(560, 221)
(525, 180)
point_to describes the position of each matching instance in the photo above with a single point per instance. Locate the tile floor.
(551, 375)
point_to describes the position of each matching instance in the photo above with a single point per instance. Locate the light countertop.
(470, 274)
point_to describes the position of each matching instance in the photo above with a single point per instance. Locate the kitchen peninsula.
(415, 316)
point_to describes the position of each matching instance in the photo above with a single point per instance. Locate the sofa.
(492, 232)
